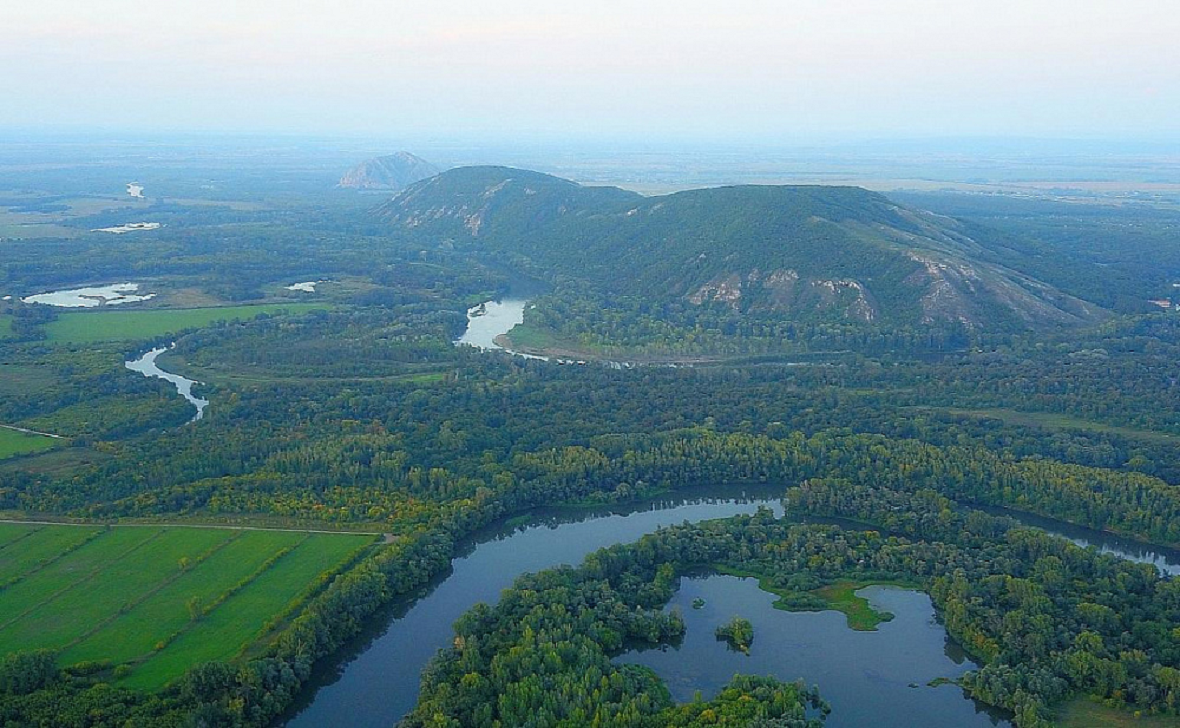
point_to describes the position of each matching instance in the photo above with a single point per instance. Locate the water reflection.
(146, 365)
(876, 678)
(1165, 559)
(375, 681)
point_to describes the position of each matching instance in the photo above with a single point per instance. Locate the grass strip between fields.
(114, 588)
(165, 613)
(156, 600)
(11, 533)
(43, 618)
(41, 548)
(183, 564)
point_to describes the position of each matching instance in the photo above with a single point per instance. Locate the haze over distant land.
(749, 70)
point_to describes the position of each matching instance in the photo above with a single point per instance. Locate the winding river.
(878, 678)
(146, 365)
(871, 678)
(376, 680)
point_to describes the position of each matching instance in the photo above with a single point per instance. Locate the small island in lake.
(738, 632)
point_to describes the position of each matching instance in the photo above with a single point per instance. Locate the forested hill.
(810, 252)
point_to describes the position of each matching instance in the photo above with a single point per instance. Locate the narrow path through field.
(32, 432)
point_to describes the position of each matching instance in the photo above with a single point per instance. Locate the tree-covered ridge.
(838, 254)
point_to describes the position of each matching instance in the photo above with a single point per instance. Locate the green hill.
(804, 252)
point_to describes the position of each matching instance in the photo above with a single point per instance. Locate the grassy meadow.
(14, 442)
(156, 599)
(112, 325)
(1086, 713)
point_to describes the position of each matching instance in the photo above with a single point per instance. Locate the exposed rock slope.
(809, 252)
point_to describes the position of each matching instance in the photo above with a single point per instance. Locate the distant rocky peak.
(392, 172)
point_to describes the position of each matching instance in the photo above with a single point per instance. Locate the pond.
(870, 678)
(304, 286)
(91, 296)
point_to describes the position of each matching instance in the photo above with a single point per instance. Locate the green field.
(1085, 713)
(155, 598)
(14, 442)
(17, 379)
(1057, 421)
(5, 325)
(108, 325)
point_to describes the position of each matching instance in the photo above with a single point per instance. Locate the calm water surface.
(91, 296)
(1165, 559)
(490, 319)
(146, 365)
(866, 676)
(378, 684)
(875, 679)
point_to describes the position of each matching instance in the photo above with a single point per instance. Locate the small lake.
(875, 679)
(304, 286)
(91, 296)
(146, 365)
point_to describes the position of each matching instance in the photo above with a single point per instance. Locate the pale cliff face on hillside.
(391, 172)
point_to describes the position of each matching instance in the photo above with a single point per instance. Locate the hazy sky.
(726, 70)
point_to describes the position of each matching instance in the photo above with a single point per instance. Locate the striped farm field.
(157, 599)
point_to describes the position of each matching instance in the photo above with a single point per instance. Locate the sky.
(724, 70)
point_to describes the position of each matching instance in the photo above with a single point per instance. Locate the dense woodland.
(1045, 617)
(365, 415)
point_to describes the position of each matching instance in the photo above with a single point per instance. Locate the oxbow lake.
(91, 296)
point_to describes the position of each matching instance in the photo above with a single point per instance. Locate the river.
(146, 365)
(1166, 560)
(871, 678)
(378, 684)
(375, 681)
(491, 319)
